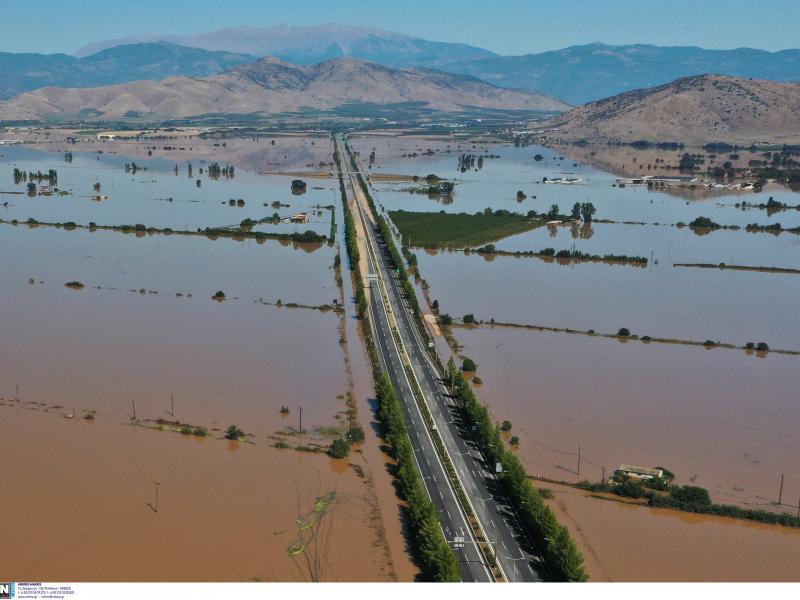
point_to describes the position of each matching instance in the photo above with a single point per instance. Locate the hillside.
(270, 86)
(307, 45)
(581, 74)
(693, 110)
(24, 72)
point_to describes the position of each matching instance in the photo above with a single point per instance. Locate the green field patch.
(460, 230)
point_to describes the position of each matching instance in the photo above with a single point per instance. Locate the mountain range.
(24, 72)
(581, 74)
(270, 86)
(306, 45)
(575, 75)
(693, 110)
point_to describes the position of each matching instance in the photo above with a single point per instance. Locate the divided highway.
(391, 317)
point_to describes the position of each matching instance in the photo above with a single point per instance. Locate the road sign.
(498, 468)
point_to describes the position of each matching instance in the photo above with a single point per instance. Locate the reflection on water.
(496, 185)
(158, 196)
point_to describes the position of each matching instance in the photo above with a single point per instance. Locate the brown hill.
(271, 86)
(693, 110)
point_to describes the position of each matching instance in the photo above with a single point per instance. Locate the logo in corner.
(6, 590)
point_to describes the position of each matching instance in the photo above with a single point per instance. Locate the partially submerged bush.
(234, 433)
(468, 366)
(340, 448)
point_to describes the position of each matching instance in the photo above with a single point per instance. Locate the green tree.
(553, 212)
(576, 211)
(468, 366)
(587, 211)
(506, 426)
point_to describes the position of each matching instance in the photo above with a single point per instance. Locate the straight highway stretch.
(517, 558)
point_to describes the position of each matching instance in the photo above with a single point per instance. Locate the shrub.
(469, 318)
(186, 430)
(624, 332)
(691, 494)
(506, 426)
(469, 366)
(76, 285)
(340, 448)
(762, 347)
(445, 319)
(200, 431)
(233, 433)
(356, 434)
(514, 441)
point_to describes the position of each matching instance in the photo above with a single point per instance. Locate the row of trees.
(562, 557)
(436, 558)
(351, 243)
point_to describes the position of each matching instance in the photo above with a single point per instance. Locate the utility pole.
(579, 461)
(604, 474)
(780, 492)
(300, 407)
(133, 403)
(171, 404)
(17, 388)
(157, 484)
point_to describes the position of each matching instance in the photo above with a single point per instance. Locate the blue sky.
(504, 26)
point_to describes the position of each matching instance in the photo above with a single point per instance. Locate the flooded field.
(723, 420)
(84, 499)
(143, 336)
(726, 420)
(694, 304)
(156, 195)
(621, 542)
(496, 183)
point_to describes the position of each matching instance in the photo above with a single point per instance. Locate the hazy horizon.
(518, 28)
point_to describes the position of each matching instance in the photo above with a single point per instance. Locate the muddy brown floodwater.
(144, 330)
(82, 507)
(623, 542)
(726, 421)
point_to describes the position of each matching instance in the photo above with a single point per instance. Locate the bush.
(234, 433)
(624, 332)
(762, 347)
(340, 448)
(200, 431)
(445, 319)
(514, 441)
(469, 366)
(470, 318)
(356, 434)
(506, 426)
(691, 494)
